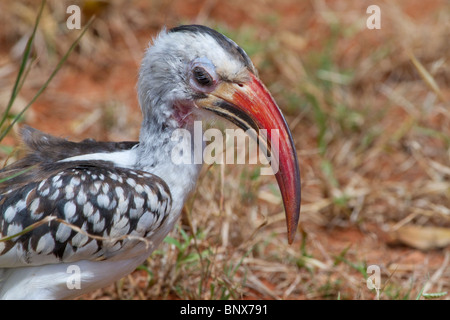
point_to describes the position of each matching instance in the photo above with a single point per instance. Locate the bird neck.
(160, 138)
(164, 140)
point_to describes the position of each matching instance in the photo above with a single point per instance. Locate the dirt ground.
(372, 131)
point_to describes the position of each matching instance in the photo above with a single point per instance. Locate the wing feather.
(96, 209)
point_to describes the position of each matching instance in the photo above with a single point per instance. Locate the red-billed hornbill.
(102, 199)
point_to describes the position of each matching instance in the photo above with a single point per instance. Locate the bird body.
(127, 208)
(100, 208)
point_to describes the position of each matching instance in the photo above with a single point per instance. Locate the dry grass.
(370, 115)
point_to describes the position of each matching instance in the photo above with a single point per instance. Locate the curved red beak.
(251, 106)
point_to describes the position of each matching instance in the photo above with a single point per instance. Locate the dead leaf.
(423, 238)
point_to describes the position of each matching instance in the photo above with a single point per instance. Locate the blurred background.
(370, 115)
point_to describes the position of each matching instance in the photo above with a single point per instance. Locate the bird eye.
(202, 77)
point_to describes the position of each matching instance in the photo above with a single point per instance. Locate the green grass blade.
(29, 228)
(58, 67)
(420, 294)
(16, 174)
(434, 295)
(173, 241)
(26, 55)
(27, 71)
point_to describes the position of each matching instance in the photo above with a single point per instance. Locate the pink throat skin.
(183, 114)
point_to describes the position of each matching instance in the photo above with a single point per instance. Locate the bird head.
(192, 70)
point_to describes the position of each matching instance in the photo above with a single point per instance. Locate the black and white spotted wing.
(102, 200)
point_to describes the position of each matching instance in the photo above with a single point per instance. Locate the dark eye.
(202, 77)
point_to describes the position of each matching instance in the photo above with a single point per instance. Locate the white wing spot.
(123, 206)
(105, 188)
(145, 221)
(14, 229)
(95, 187)
(139, 188)
(10, 213)
(152, 201)
(120, 228)
(69, 192)
(103, 201)
(81, 198)
(79, 240)
(131, 182)
(113, 176)
(75, 181)
(34, 209)
(99, 226)
(45, 192)
(63, 233)
(57, 181)
(20, 205)
(136, 213)
(46, 244)
(95, 217)
(41, 185)
(112, 205)
(119, 191)
(88, 209)
(69, 210)
(139, 202)
(54, 196)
